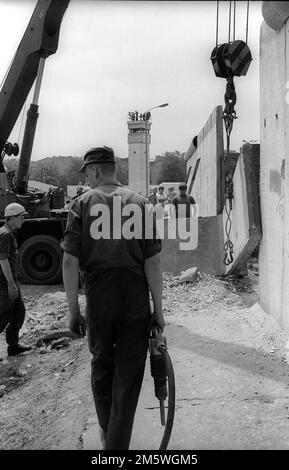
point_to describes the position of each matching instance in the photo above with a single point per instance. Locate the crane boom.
(39, 41)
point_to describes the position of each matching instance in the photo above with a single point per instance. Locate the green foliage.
(172, 167)
(72, 175)
(62, 171)
(48, 174)
(122, 170)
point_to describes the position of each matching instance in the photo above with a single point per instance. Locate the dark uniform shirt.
(112, 250)
(187, 200)
(9, 250)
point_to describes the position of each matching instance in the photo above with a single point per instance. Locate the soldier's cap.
(14, 209)
(101, 154)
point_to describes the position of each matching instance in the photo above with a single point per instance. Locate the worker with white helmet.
(12, 309)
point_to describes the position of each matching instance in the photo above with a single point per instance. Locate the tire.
(40, 260)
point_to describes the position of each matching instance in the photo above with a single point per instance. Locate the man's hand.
(158, 321)
(13, 291)
(77, 326)
(70, 274)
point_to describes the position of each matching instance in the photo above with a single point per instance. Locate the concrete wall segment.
(274, 146)
(206, 179)
(245, 217)
(207, 256)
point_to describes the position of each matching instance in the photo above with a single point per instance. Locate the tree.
(122, 170)
(172, 167)
(47, 173)
(72, 175)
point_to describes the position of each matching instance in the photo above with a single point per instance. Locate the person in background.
(161, 196)
(171, 194)
(12, 309)
(153, 197)
(79, 189)
(185, 201)
(67, 204)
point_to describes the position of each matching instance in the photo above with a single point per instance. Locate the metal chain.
(229, 114)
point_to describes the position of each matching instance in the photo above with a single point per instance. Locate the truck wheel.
(40, 259)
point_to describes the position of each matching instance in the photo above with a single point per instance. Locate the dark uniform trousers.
(11, 314)
(118, 317)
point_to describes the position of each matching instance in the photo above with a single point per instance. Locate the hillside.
(64, 170)
(60, 162)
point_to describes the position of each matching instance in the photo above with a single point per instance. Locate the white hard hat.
(14, 209)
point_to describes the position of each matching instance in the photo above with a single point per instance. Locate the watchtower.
(139, 140)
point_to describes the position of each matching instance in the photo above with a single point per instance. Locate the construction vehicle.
(40, 255)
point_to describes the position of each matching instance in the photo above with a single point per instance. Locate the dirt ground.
(45, 396)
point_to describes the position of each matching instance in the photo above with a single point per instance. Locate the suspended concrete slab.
(205, 166)
(244, 222)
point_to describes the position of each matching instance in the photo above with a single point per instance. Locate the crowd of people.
(159, 199)
(136, 116)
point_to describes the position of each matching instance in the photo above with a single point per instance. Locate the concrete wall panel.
(274, 247)
(245, 217)
(206, 179)
(207, 256)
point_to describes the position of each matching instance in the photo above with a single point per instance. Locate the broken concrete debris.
(52, 335)
(190, 275)
(60, 343)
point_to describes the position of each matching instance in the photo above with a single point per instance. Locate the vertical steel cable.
(217, 23)
(230, 9)
(234, 20)
(247, 23)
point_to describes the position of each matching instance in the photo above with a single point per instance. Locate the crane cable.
(247, 22)
(217, 23)
(234, 21)
(230, 9)
(229, 114)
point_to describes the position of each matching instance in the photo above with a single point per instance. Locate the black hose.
(171, 402)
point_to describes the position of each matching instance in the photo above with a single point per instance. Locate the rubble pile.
(46, 322)
(204, 292)
(47, 317)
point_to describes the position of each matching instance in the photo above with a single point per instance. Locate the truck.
(40, 254)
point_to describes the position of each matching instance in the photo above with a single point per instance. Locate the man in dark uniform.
(120, 269)
(12, 309)
(183, 202)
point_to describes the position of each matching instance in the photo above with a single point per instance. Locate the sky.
(119, 56)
